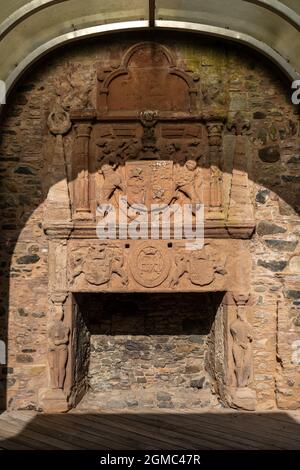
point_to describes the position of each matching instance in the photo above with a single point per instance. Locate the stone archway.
(95, 147)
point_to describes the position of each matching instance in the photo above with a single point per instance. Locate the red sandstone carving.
(153, 138)
(197, 265)
(98, 263)
(149, 264)
(240, 330)
(161, 85)
(58, 335)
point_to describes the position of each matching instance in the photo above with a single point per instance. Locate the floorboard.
(150, 430)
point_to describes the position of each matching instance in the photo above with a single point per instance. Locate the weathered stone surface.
(26, 358)
(22, 312)
(269, 154)
(28, 259)
(198, 383)
(273, 265)
(259, 115)
(292, 294)
(262, 196)
(268, 228)
(164, 396)
(290, 178)
(24, 170)
(294, 264)
(281, 245)
(38, 314)
(294, 160)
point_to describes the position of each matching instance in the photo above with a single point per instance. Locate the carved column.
(215, 130)
(240, 207)
(81, 171)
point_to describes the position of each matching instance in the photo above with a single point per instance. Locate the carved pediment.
(147, 78)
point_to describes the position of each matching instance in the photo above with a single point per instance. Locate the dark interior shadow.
(141, 313)
(152, 431)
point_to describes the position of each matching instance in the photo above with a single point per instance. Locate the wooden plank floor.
(155, 429)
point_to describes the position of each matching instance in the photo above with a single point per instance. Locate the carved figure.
(240, 331)
(179, 268)
(185, 179)
(58, 337)
(117, 150)
(117, 268)
(112, 181)
(149, 119)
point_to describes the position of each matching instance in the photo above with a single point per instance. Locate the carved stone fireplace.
(147, 349)
(148, 130)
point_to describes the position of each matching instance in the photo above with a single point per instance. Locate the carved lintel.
(81, 171)
(215, 138)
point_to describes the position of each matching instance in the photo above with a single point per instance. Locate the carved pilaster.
(240, 207)
(81, 171)
(215, 130)
(58, 201)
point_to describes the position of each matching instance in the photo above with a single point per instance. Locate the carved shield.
(149, 264)
(98, 268)
(201, 271)
(149, 182)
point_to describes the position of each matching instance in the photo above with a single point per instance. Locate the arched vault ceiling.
(29, 29)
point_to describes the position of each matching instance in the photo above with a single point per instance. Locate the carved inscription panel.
(146, 77)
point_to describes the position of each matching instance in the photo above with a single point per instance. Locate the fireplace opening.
(145, 349)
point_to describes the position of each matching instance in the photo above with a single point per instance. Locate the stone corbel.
(236, 389)
(82, 210)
